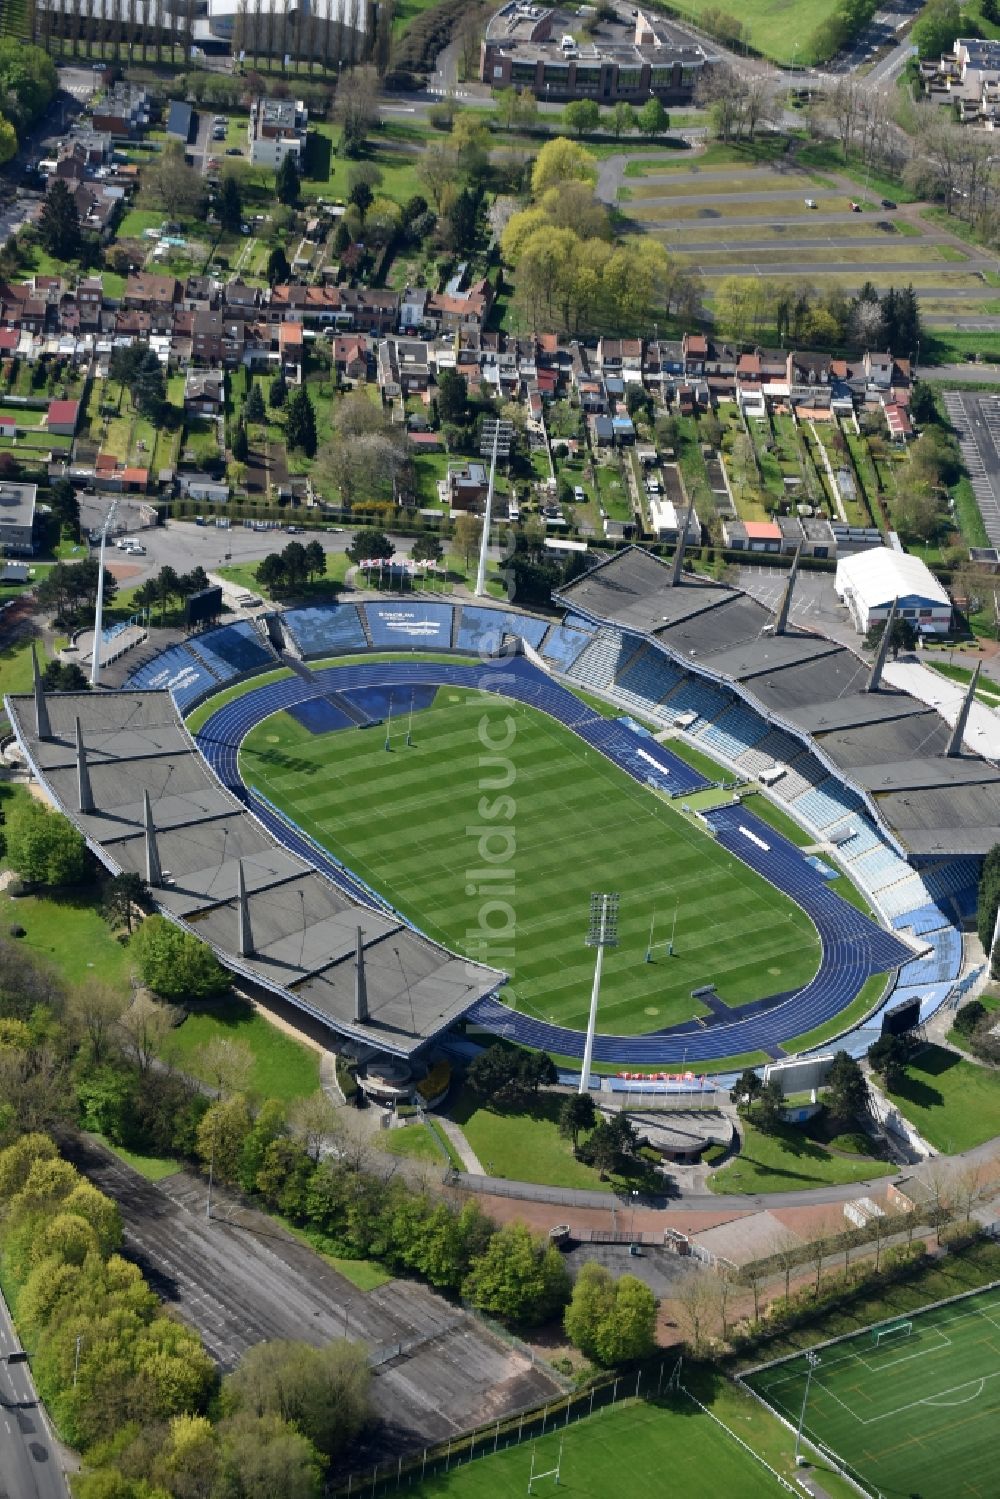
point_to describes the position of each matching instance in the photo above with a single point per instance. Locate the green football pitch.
(562, 822)
(916, 1414)
(643, 1451)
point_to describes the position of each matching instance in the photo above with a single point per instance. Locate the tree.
(8, 141)
(370, 543)
(468, 534)
(923, 407)
(230, 205)
(519, 1278)
(300, 423)
(222, 1135)
(270, 574)
(561, 160)
(356, 107)
(65, 504)
(427, 548)
(64, 676)
(904, 636)
(122, 894)
(939, 24)
(43, 846)
(628, 1331)
(576, 1112)
(652, 118)
(278, 393)
(847, 1091)
(179, 187)
(463, 216)
(582, 115)
(362, 197)
(261, 1457)
(889, 1057)
(228, 1063)
(770, 1105)
(148, 388)
(59, 224)
(622, 119)
(453, 397)
(278, 269)
(286, 182)
(323, 1392)
(255, 411)
(175, 963)
(746, 1090)
(241, 444)
(315, 560)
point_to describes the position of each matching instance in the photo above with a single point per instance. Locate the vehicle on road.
(233, 151)
(855, 207)
(888, 203)
(810, 202)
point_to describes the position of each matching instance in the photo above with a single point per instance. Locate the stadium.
(796, 841)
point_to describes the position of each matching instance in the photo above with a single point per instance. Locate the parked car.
(810, 202)
(888, 203)
(579, 494)
(233, 151)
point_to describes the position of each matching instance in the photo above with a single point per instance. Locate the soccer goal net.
(890, 1332)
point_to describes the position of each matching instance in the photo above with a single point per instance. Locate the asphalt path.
(976, 420)
(30, 1467)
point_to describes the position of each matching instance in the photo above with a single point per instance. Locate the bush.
(17, 931)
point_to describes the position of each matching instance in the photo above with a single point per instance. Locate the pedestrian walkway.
(473, 1165)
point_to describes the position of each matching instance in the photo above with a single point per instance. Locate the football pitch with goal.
(645, 1451)
(911, 1407)
(486, 779)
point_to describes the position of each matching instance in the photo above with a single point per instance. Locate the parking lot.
(814, 600)
(976, 419)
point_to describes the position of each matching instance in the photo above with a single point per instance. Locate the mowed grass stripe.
(402, 821)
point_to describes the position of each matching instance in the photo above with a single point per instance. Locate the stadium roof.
(303, 929)
(888, 745)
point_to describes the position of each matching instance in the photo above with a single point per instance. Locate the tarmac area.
(239, 1279)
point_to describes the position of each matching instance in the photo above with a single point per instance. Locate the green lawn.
(574, 824)
(15, 663)
(787, 1160)
(66, 928)
(698, 760)
(412, 1141)
(916, 1414)
(629, 1449)
(283, 1067)
(153, 1167)
(953, 1103)
(522, 1144)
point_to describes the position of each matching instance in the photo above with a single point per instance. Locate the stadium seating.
(862, 840)
(736, 731)
(178, 670)
(944, 962)
(776, 748)
(596, 666)
(481, 629)
(232, 650)
(880, 867)
(950, 878)
(562, 645)
(825, 804)
(409, 624)
(699, 697)
(922, 920)
(324, 629)
(650, 675)
(904, 895)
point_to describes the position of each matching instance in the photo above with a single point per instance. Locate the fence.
(522, 1426)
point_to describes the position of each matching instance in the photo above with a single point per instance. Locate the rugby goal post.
(890, 1331)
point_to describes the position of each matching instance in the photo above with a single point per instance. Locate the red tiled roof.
(63, 412)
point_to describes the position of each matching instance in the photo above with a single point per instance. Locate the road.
(30, 1467)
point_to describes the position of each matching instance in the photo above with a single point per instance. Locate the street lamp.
(812, 1359)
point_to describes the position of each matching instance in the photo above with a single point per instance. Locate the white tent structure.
(869, 582)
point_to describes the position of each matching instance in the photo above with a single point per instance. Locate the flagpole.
(388, 726)
(649, 944)
(673, 932)
(409, 726)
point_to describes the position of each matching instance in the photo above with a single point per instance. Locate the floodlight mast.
(95, 663)
(812, 1360)
(496, 440)
(602, 933)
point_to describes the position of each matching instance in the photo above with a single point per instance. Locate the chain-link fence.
(525, 1426)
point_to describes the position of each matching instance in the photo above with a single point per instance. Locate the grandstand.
(245, 884)
(324, 629)
(203, 663)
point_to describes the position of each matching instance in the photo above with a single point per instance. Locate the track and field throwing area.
(909, 1407)
(412, 822)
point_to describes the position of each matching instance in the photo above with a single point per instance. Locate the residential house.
(125, 110)
(204, 393)
(453, 310)
(290, 352)
(90, 303)
(467, 486)
(17, 517)
(62, 418)
(277, 130)
(158, 295)
(752, 535)
(621, 357)
(179, 121)
(403, 368)
(413, 309)
(352, 356)
(217, 339)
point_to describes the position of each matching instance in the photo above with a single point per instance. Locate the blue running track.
(853, 947)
